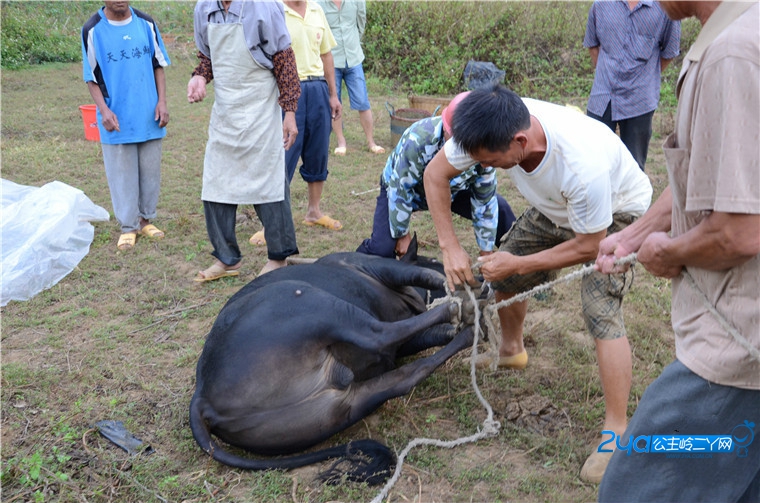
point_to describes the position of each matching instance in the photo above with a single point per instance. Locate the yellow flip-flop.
(326, 222)
(127, 241)
(215, 272)
(258, 239)
(152, 231)
(514, 362)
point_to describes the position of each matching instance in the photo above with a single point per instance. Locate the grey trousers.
(279, 231)
(679, 402)
(133, 171)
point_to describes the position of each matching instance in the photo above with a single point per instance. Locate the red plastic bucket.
(90, 119)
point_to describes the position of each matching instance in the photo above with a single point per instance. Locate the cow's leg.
(370, 334)
(438, 335)
(392, 273)
(369, 395)
(399, 274)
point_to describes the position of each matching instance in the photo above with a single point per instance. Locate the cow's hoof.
(455, 310)
(465, 310)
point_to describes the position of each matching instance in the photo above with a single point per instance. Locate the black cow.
(304, 352)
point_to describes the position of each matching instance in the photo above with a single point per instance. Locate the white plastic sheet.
(46, 232)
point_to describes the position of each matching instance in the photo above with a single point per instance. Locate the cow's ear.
(411, 252)
(410, 257)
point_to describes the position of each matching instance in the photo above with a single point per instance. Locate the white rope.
(490, 425)
(354, 193)
(722, 321)
(583, 271)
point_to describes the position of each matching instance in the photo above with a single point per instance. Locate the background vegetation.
(119, 337)
(418, 47)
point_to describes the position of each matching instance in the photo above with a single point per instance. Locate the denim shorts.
(601, 294)
(356, 85)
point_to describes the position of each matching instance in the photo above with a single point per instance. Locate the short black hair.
(489, 118)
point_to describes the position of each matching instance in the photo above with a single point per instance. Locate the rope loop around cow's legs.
(491, 427)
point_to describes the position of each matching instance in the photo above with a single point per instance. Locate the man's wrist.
(448, 244)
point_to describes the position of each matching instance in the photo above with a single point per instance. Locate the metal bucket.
(402, 118)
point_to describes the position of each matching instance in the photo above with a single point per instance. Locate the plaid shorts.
(601, 294)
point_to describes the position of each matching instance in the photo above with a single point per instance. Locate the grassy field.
(120, 336)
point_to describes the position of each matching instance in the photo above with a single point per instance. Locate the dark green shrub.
(424, 46)
(41, 32)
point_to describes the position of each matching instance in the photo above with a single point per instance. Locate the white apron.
(245, 159)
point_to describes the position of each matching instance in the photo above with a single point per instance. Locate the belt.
(310, 78)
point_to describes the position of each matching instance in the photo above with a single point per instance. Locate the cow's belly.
(287, 429)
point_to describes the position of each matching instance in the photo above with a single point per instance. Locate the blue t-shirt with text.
(121, 58)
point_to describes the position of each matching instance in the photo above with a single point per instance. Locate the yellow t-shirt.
(310, 37)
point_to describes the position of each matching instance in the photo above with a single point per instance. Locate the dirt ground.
(120, 336)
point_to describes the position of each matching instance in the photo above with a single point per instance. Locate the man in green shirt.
(347, 19)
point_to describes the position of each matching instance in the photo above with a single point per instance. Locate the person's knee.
(370, 247)
(606, 328)
(357, 92)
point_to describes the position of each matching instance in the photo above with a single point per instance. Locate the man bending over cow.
(473, 192)
(581, 182)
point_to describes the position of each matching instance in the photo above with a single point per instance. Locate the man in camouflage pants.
(473, 192)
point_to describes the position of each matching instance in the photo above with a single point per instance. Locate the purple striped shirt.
(631, 44)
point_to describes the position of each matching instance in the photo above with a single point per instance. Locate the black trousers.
(635, 132)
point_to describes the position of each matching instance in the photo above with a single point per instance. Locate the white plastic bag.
(45, 234)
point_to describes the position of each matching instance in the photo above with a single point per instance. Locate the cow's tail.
(361, 461)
